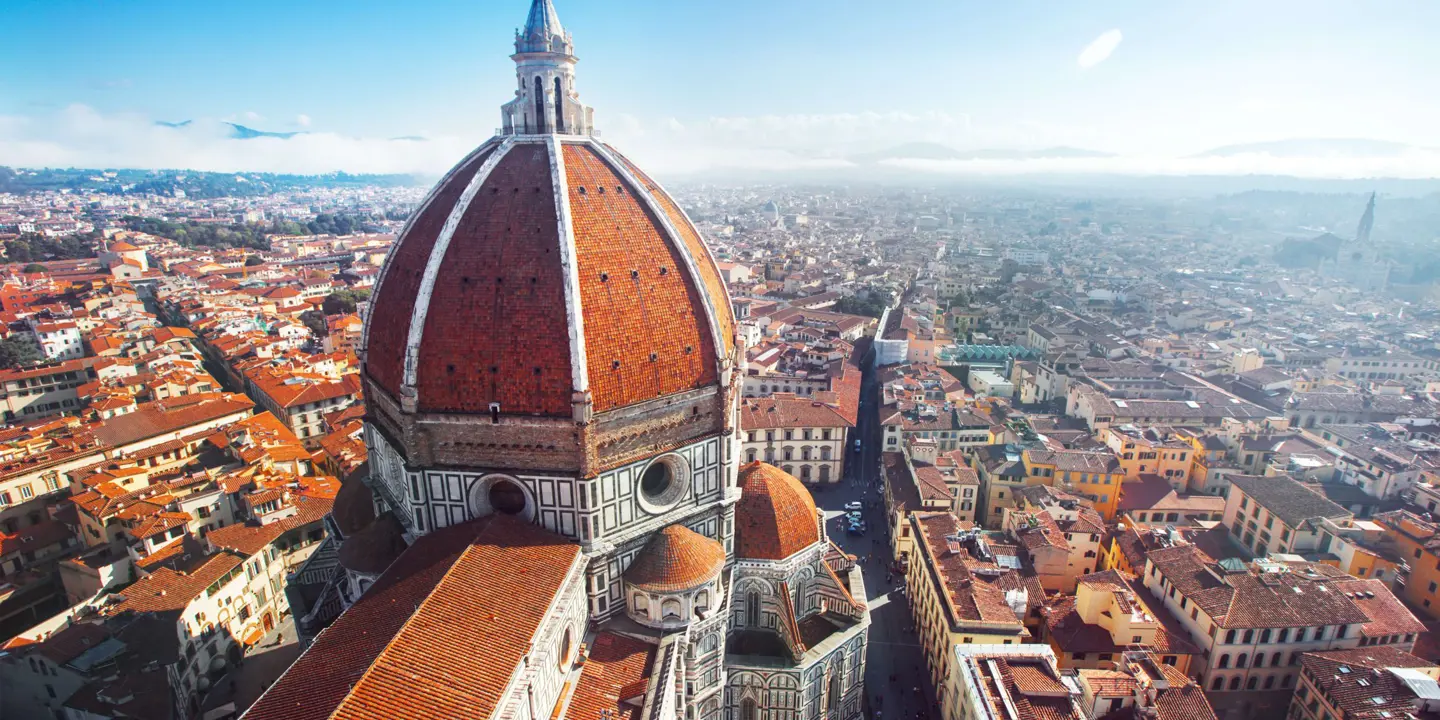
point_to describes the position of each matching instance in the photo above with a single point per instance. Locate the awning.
(252, 636)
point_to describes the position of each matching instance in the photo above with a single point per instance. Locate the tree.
(343, 302)
(18, 352)
(316, 322)
(34, 268)
(253, 260)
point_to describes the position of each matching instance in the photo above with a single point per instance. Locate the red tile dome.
(545, 270)
(675, 559)
(776, 515)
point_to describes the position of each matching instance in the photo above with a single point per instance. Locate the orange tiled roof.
(776, 515)
(438, 635)
(616, 670)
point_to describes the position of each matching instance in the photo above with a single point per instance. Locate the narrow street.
(893, 645)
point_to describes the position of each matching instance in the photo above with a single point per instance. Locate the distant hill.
(936, 151)
(1314, 147)
(193, 184)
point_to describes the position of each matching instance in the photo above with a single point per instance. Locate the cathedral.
(1356, 262)
(555, 522)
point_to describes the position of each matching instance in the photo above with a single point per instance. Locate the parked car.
(855, 530)
(857, 445)
(854, 506)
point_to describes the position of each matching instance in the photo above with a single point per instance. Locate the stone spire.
(543, 31)
(1367, 221)
(545, 98)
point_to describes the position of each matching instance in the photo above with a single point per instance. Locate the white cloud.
(253, 116)
(302, 120)
(1099, 49)
(79, 136)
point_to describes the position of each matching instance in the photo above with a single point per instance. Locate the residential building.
(1278, 514)
(803, 436)
(1365, 683)
(1006, 681)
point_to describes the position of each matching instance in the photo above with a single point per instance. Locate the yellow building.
(1109, 615)
(1417, 541)
(1152, 452)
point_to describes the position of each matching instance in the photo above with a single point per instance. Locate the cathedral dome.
(675, 559)
(776, 515)
(545, 272)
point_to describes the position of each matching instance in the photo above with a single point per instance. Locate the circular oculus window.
(663, 483)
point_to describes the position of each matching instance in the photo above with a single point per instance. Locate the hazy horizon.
(375, 88)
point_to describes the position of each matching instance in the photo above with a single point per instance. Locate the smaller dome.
(373, 549)
(676, 558)
(354, 506)
(776, 515)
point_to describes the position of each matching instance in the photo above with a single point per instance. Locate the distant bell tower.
(1367, 221)
(545, 98)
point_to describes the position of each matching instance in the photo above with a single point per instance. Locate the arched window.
(1269, 682)
(670, 609)
(1229, 637)
(1276, 658)
(1241, 660)
(539, 105)
(642, 604)
(1259, 659)
(1219, 684)
(752, 609)
(702, 601)
(1285, 681)
(1235, 683)
(559, 109)
(1250, 684)
(1224, 661)
(837, 692)
(747, 710)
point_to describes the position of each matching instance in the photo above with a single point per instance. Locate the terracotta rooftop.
(438, 635)
(612, 684)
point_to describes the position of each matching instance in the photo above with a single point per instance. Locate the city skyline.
(801, 86)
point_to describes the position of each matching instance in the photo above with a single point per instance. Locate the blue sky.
(802, 77)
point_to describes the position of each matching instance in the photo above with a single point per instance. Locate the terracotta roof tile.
(776, 515)
(438, 636)
(496, 329)
(676, 558)
(394, 302)
(615, 671)
(641, 309)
